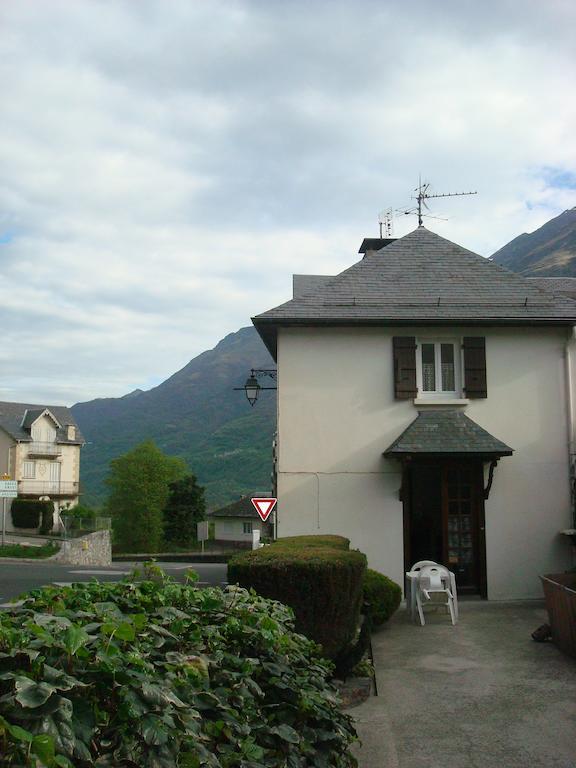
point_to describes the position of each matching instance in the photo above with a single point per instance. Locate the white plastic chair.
(421, 563)
(435, 579)
(412, 587)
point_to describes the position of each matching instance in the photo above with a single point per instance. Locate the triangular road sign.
(264, 507)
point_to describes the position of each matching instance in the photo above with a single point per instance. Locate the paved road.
(16, 578)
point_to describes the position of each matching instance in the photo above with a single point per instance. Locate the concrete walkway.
(478, 695)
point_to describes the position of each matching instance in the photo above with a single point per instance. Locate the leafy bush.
(383, 596)
(26, 513)
(81, 511)
(329, 540)
(185, 507)
(159, 675)
(47, 521)
(139, 483)
(20, 550)
(322, 585)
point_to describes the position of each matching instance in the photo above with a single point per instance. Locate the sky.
(166, 165)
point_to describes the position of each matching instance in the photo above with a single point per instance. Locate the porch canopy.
(448, 433)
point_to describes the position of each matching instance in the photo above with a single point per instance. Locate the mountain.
(547, 252)
(195, 414)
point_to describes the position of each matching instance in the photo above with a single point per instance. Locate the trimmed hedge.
(329, 540)
(47, 522)
(382, 595)
(26, 513)
(322, 585)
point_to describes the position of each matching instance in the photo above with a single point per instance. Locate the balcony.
(48, 488)
(44, 449)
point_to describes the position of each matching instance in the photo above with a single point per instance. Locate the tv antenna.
(423, 190)
(386, 222)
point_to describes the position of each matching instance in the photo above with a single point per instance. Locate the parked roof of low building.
(17, 418)
(243, 507)
(446, 432)
(420, 278)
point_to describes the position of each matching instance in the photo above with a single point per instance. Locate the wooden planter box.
(560, 594)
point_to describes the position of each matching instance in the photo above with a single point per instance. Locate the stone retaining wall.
(93, 549)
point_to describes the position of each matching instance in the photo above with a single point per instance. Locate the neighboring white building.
(425, 411)
(40, 448)
(236, 522)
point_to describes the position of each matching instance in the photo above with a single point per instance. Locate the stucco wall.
(337, 414)
(232, 530)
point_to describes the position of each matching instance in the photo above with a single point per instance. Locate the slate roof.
(560, 286)
(420, 278)
(12, 414)
(446, 432)
(241, 508)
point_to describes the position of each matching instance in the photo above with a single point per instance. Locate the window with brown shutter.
(404, 348)
(475, 384)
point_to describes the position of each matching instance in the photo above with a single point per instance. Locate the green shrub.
(80, 511)
(27, 513)
(20, 550)
(47, 521)
(322, 540)
(157, 674)
(322, 585)
(383, 596)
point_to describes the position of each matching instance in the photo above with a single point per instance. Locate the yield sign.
(264, 507)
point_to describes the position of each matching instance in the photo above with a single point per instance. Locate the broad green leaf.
(125, 631)
(74, 638)
(286, 733)
(32, 694)
(43, 747)
(153, 730)
(16, 731)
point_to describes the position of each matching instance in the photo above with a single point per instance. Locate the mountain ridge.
(195, 414)
(549, 251)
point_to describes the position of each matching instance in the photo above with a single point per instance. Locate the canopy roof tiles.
(440, 432)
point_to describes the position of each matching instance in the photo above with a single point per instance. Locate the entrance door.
(444, 519)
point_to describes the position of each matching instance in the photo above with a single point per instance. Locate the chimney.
(372, 244)
(70, 432)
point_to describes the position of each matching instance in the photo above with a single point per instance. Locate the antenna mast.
(423, 195)
(386, 222)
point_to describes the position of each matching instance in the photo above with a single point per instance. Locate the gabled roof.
(241, 508)
(420, 278)
(446, 433)
(17, 418)
(33, 414)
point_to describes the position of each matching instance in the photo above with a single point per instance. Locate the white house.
(425, 410)
(236, 522)
(40, 448)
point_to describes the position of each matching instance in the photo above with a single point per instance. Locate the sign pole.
(3, 522)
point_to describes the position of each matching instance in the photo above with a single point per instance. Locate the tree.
(139, 486)
(185, 507)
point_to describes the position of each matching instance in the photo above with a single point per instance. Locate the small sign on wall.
(202, 530)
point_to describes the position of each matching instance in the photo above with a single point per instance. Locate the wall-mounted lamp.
(252, 388)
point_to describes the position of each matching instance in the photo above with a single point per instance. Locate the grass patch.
(21, 550)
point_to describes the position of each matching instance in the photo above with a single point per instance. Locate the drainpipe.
(570, 404)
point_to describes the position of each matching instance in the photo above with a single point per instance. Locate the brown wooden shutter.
(475, 384)
(404, 367)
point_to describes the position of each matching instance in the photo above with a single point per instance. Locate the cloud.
(167, 165)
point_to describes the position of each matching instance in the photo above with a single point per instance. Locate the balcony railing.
(44, 449)
(48, 488)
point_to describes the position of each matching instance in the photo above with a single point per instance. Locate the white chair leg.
(451, 609)
(419, 606)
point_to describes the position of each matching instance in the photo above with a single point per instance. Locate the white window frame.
(247, 527)
(25, 474)
(438, 393)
